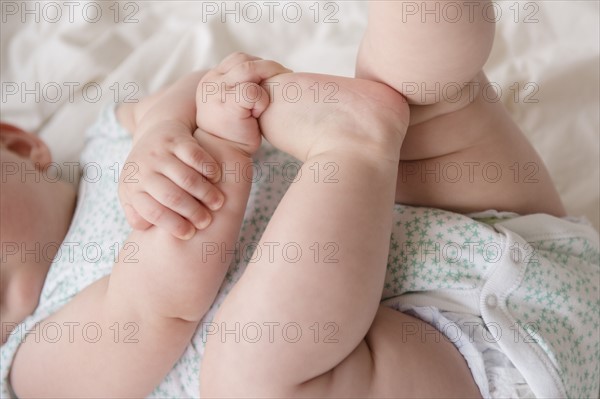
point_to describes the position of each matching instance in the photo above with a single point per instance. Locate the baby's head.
(34, 212)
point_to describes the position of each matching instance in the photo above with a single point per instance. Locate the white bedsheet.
(557, 57)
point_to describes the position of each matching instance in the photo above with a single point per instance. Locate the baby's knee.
(426, 56)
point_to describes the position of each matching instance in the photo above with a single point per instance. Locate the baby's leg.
(314, 304)
(462, 151)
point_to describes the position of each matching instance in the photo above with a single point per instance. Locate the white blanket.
(545, 59)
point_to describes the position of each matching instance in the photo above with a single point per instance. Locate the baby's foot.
(311, 113)
(229, 99)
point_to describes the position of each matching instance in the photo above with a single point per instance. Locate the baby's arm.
(172, 185)
(150, 306)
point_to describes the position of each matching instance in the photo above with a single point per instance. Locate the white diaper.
(493, 372)
(522, 290)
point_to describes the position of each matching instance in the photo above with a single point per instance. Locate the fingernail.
(189, 235)
(217, 176)
(217, 203)
(205, 223)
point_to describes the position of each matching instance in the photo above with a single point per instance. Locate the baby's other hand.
(173, 187)
(230, 100)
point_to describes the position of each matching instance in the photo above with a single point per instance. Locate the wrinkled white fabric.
(546, 54)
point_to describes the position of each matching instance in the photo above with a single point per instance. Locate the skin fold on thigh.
(401, 357)
(473, 158)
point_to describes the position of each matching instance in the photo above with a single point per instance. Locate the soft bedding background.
(545, 59)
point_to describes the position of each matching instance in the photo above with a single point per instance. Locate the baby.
(349, 338)
(101, 322)
(515, 297)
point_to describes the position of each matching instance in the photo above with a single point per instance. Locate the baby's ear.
(26, 145)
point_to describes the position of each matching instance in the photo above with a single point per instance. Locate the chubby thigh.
(401, 357)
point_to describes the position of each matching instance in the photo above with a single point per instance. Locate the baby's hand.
(229, 99)
(173, 184)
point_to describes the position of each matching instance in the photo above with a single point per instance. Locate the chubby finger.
(167, 193)
(163, 217)
(135, 220)
(195, 184)
(253, 71)
(234, 59)
(192, 154)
